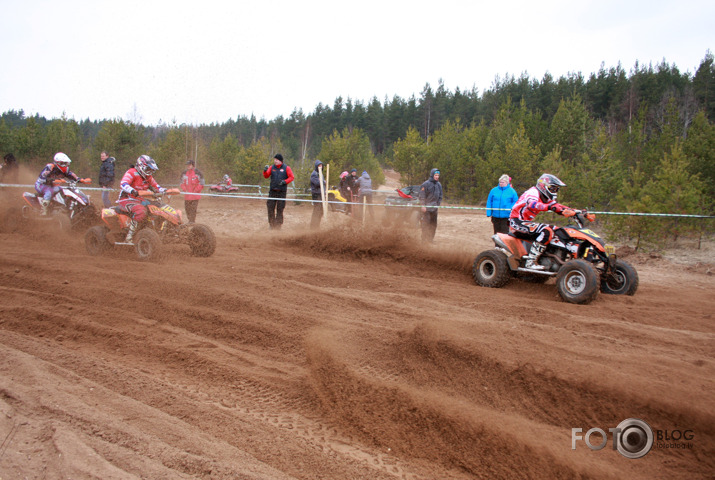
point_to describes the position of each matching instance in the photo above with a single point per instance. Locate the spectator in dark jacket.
(316, 195)
(106, 177)
(430, 198)
(9, 169)
(281, 175)
(499, 203)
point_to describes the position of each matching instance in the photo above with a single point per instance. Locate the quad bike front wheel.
(491, 269)
(86, 217)
(623, 280)
(202, 241)
(577, 282)
(147, 244)
(95, 240)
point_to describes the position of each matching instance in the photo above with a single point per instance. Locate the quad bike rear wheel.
(202, 241)
(147, 244)
(491, 269)
(623, 281)
(95, 240)
(577, 282)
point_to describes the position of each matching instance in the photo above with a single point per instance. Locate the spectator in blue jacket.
(499, 203)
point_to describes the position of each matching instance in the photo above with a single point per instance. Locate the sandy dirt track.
(339, 354)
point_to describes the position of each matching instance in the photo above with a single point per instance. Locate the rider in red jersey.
(139, 177)
(539, 198)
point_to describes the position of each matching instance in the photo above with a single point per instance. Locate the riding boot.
(132, 230)
(533, 258)
(44, 207)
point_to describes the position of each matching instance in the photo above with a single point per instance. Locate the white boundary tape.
(249, 196)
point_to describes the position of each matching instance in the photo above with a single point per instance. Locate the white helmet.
(62, 161)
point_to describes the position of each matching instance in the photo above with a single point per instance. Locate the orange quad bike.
(162, 225)
(582, 263)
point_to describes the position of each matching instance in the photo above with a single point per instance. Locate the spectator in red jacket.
(281, 175)
(192, 181)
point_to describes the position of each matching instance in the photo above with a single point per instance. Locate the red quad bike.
(163, 225)
(223, 188)
(70, 206)
(579, 259)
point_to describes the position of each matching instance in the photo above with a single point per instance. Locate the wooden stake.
(364, 209)
(323, 193)
(327, 187)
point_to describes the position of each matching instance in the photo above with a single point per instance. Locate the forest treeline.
(637, 141)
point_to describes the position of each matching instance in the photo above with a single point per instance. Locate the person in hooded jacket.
(430, 198)
(364, 193)
(499, 203)
(315, 194)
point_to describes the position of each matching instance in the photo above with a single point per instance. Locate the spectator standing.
(106, 177)
(351, 188)
(315, 194)
(430, 197)
(281, 175)
(364, 192)
(192, 182)
(9, 169)
(499, 203)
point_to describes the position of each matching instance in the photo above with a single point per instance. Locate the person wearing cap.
(192, 182)
(281, 175)
(430, 198)
(499, 203)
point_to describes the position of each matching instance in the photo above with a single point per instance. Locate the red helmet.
(146, 166)
(343, 175)
(548, 186)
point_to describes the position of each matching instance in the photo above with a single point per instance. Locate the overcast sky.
(209, 61)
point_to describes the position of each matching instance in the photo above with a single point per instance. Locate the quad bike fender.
(586, 235)
(114, 218)
(31, 199)
(168, 212)
(513, 245)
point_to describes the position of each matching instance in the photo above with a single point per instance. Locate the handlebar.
(59, 181)
(150, 193)
(582, 216)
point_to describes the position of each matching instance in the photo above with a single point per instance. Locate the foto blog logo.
(633, 438)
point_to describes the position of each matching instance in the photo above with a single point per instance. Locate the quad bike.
(163, 225)
(334, 196)
(579, 259)
(223, 188)
(397, 208)
(70, 206)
